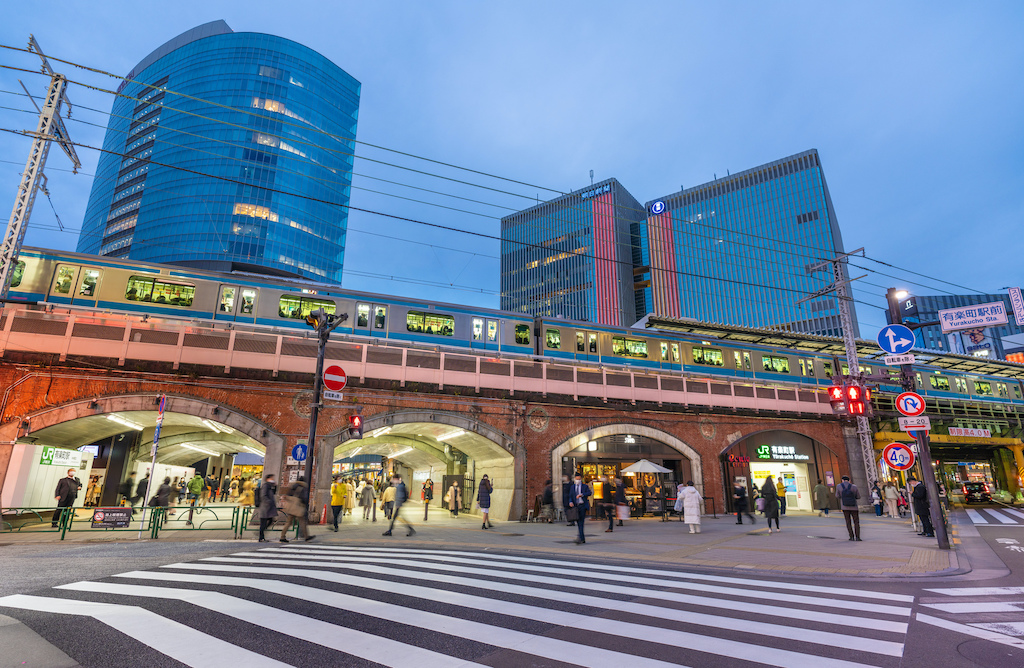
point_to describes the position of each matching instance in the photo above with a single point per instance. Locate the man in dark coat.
(739, 501)
(401, 496)
(920, 496)
(300, 491)
(579, 494)
(126, 488)
(566, 485)
(268, 505)
(847, 493)
(67, 492)
(140, 491)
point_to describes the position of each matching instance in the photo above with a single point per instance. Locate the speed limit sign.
(898, 456)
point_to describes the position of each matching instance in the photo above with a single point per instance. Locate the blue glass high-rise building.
(228, 151)
(737, 250)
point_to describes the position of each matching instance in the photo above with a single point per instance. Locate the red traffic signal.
(355, 426)
(849, 399)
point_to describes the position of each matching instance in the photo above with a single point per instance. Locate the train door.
(585, 346)
(87, 287)
(64, 281)
(371, 320)
(485, 334)
(227, 305)
(246, 307)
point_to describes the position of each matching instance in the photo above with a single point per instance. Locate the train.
(108, 284)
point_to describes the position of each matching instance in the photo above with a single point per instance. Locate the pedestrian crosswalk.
(413, 606)
(1000, 516)
(995, 614)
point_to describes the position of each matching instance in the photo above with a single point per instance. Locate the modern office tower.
(737, 250)
(228, 151)
(999, 342)
(572, 256)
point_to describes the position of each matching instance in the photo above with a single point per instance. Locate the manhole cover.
(823, 537)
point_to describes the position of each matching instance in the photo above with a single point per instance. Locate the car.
(976, 491)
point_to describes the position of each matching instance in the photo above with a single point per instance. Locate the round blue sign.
(896, 339)
(658, 207)
(299, 452)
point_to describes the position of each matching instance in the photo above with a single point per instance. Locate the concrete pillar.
(1018, 460)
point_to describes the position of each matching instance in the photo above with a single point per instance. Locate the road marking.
(616, 577)
(1006, 628)
(971, 631)
(979, 591)
(999, 516)
(1014, 511)
(984, 606)
(356, 643)
(176, 640)
(976, 517)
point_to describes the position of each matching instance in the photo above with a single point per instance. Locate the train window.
(64, 277)
(553, 339)
(810, 368)
(939, 382)
(362, 315)
(478, 329)
(492, 330)
(581, 346)
(983, 388)
(846, 370)
(523, 335)
(227, 300)
(1016, 392)
(300, 307)
(592, 338)
(803, 368)
(961, 385)
(828, 369)
(430, 323)
(736, 358)
(1001, 389)
(920, 383)
(664, 351)
(248, 302)
(675, 352)
(380, 316)
(746, 361)
(775, 363)
(708, 356)
(629, 347)
(18, 274)
(89, 279)
(146, 289)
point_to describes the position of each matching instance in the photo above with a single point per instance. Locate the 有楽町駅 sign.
(969, 317)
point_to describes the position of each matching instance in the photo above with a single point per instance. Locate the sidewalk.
(807, 545)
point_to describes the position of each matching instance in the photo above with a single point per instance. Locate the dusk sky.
(916, 109)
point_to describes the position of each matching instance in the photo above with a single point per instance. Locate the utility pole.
(324, 323)
(50, 127)
(924, 453)
(841, 287)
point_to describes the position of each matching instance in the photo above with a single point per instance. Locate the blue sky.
(915, 108)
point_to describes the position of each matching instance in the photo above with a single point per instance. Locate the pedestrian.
(401, 496)
(483, 499)
(387, 500)
(233, 488)
(757, 499)
(876, 499)
(902, 504)
(891, 497)
(606, 504)
(847, 493)
(691, 506)
(225, 486)
(780, 490)
(566, 498)
(770, 495)
(822, 498)
(367, 498)
(579, 498)
(268, 505)
(350, 497)
(140, 491)
(195, 488)
(162, 498)
(182, 489)
(454, 498)
(547, 503)
(621, 502)
(920, 496)
(246, 498)
(427, 493)
(678, 507)
(739, 500)
(125, 489)
(296, 506)
(339, 496)
(90, 490)
(65, 495)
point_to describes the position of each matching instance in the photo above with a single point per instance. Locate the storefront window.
(553, 339)
(300, 307)
(362, 315)
(775, 364)
(89, 279)
(939, 383)
(430, 323)
(248, 302)
(708, 356)
(629, 347)
(380, 316)
(65, 275)
(581, 346)
(492, 330)
(478, 329)
(523, 335)
(145, 289)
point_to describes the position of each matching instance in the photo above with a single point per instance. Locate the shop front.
(34, 471)
(798, 461)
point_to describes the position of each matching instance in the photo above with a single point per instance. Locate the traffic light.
(854, 399)
(850, 399)
(837, 397)
(319, 317)
(355, 424)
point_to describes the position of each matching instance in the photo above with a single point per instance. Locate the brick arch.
(743, 437)
(615, 429)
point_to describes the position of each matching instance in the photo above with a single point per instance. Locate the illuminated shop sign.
(606, 188)
(737, 459)
(780, 452)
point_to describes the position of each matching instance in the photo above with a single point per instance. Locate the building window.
(629, 347)
(90, 277)
(380, 315)
(145, 289)
(553, 339)
(300, 307)
(708, 356)
(65, 275)
(248, 302)
(523, 335)
(581, 344)
(478, 329)
(430, 323)
(775, 363)
(939, 383)
(254, 211)
(18, 274)
(362, 315)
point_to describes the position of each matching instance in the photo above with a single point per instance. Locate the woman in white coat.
(691, 506)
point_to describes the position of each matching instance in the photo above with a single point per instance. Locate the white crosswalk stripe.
(1006, 615)
(550, 610)
(995, 516)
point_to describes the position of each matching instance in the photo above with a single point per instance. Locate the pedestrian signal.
(355, 426)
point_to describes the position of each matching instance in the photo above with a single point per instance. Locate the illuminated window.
(939, 383)
(300, 307)
(523, 335)
(708, 356)
(18, 274)
(629, 347)
(89, 279)
(380, 315)
(362, 315)
(581, 345)
(675, 352)
(62, 285)
(254, 211)
(478, 329)
(737, 359)
(227, 300)
(553, 339)
(248, 302)
(146, 289)
(430, 323)
(983, 388)
(592, 338)
(492, 330)
(775, 364)
(828, 369)
(1001, 389)
(664, 351)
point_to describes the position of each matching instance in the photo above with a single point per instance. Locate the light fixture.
(253, 450)
(451, 434)
(901, 294)
(592, 446)
(401, 452)
(114, 417)
(198, 449)
(356, 451)
(218, 427)
(381, 432)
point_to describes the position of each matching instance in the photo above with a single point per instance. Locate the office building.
(999, 342)
(573, 256)
(738, 250)
(228, 151)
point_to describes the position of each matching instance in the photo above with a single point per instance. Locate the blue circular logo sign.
(658, 207)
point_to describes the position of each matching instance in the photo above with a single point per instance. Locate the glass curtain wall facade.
(737, 250)
(980, 342)
(572, 256)
(229, 151)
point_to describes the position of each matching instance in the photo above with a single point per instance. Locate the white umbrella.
(645, 466)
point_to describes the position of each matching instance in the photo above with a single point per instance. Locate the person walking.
(401, 496)
(247, 497)
(920, 497)
(387, 501)
(606, 504)
(770, 494)
(547, 503)
(367, 497)
(233, 488)
(780, 490)
(621, 502)
(225, 487)
(891, 497)
(268, 505)
(454, 498)
(427, 493)
(876, 499)
(739, 500)
(822, 498)
(65, 495)
(847, 493)
(339, 496)
(579, 498)
(296, 507)
(691, 506)
(140, 491)
(162, 499)
(566, 498)
(350, 497)
(195, 488)
(483, 499)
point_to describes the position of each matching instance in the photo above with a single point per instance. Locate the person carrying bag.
(294, 505)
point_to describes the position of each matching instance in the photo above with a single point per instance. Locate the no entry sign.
(335, 378)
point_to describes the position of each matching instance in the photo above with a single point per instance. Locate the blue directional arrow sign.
(896, 339)
(299, 452)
